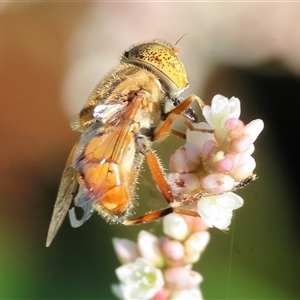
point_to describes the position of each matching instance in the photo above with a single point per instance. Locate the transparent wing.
(67, 190)
(85, 203)
(104, 139)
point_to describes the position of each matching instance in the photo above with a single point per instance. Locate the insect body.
(122, 117)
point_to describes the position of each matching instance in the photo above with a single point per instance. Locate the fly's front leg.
(166, 127)
(182, 106)
(176, 113)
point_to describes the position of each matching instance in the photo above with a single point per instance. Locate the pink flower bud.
(195, 224)
(179, 278)
(221, 163)
(207, 148)
(235, 128)
(235, 157)
(172, 249)
(242, 144)
(217, 183)
(244, 168)
(162, 294)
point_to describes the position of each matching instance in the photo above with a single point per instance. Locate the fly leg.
(182, 106)
(176, 113)
(173, 207)
(156, 215)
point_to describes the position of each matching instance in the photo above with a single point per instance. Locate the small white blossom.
(216, 211)
(220, 111)
(138, 280)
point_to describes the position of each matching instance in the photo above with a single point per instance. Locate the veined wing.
(106, 161)
(66, 193)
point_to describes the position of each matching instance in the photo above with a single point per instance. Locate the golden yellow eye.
(162, 59)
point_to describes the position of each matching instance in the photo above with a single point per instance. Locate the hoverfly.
(122, 117)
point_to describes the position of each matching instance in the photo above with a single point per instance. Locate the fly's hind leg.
(152, 216)
(156, 215)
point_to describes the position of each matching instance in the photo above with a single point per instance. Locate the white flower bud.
(217, 183)
(175, 227)
(254, 128)
(126, 250)
(150, 249)
(179, 278)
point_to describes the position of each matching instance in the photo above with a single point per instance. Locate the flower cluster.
(215, 161)
(161, 268)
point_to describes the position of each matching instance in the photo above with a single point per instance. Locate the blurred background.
(51, 57)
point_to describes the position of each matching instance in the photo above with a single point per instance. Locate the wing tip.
(49, 240)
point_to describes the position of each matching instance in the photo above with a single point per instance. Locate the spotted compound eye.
(161, 59)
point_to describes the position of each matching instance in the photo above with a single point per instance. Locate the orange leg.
(152, 216)
(186, 212)
(156, 215)
(166, 127)
(158, 175)
(185, 104)
(175, 113)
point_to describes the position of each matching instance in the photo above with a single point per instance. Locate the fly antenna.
(181, 38)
